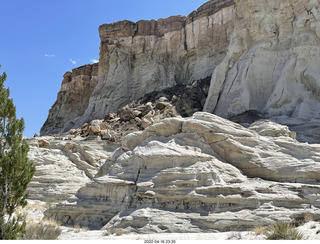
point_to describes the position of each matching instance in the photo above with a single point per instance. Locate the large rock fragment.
(268, 128)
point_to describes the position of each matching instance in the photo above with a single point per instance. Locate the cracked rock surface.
(199, 174)
(64, 165)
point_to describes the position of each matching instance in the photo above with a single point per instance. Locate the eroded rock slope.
(272, 65)
(200, 174)
(72, 99)
(64, 164)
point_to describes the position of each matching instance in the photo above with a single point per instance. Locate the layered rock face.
(272, 65)
(200, 174)
(138, 58)
(72, 100)
(262, 55)
(64, 164)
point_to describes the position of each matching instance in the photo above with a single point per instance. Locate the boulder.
(110, 116)
(75, 132)
(108, 135)
(126, 114)
(44, 143)
(146, 109)
(85, 129)
(163, 99)
(94, 128)
(161, 105)
(144, 123)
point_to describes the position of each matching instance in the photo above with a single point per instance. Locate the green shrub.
(16, 171)
(284, 231)
(42, 231)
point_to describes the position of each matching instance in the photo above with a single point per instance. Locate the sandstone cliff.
(138, 58)
(72, 100)
(272, 65)
(261, 55)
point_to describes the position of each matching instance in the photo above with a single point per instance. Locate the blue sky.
(41, 40)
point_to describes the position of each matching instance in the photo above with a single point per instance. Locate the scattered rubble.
(175, 101)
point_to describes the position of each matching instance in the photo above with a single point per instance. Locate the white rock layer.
(272, 65)
(200, 174)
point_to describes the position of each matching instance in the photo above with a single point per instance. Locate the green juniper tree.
(16, 171)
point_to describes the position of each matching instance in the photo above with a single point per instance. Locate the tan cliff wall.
(262, 55)
(137, 58)
(72, 99)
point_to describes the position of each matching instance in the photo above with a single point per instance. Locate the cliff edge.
(260, 55)
(139, 58)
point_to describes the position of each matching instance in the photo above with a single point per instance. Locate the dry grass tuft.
(44, 230)
(284, 231)
(77, 228)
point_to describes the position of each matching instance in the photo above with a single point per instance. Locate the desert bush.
(283, 231)
(42, 231)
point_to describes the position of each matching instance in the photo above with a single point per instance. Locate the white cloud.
(72, 61)
(93, 60)
(49, 55)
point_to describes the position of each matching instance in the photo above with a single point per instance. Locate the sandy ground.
(35, 213)
(72, 234)
(311, 230)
